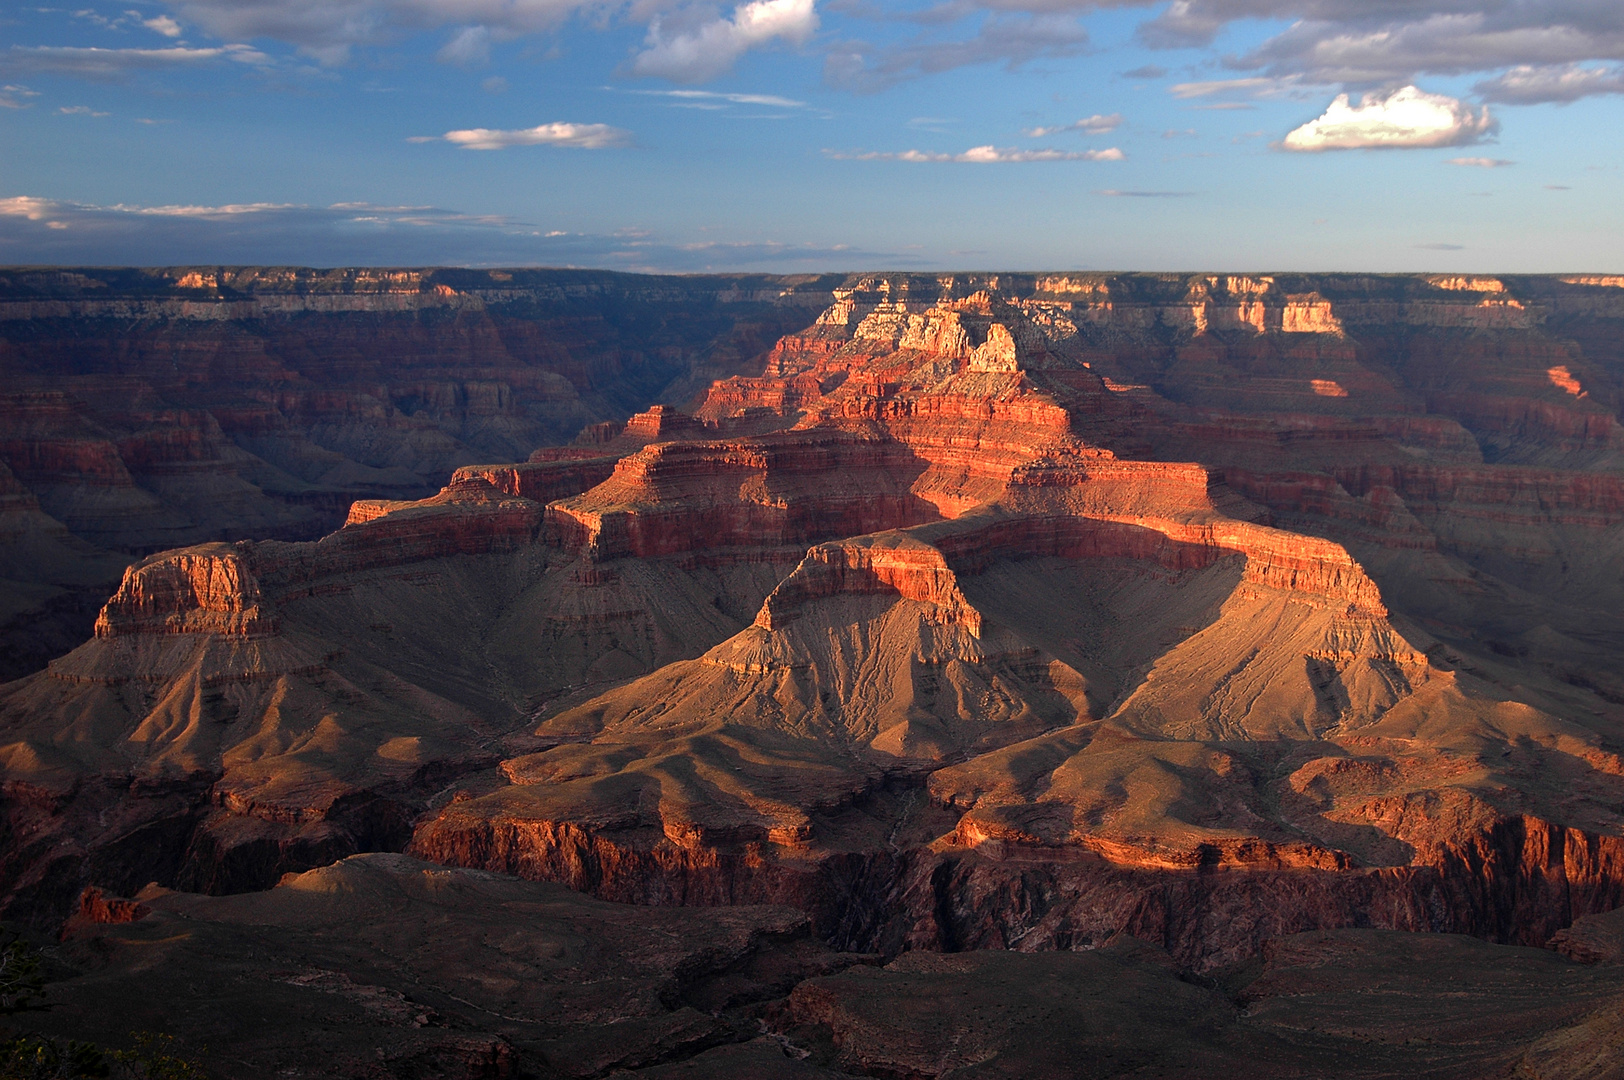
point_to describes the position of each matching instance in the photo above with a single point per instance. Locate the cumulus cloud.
(1526, 84)
(1013, 41)
(162, 24)
(26, 206)
(982, 155)
(93, 63)
(1481, 162)
(710, 49)
(48, 231)
(1407, 118)
(1089, 125)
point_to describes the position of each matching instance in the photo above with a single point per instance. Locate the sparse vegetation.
(29, 1057)
(21, 980)
(155, 1057)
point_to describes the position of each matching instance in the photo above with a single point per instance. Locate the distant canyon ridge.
(954, 611)
(149, 409)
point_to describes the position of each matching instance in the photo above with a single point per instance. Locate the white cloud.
(11, 97)
(26, 206)
(327, 29)
(772, 100)
(93, 63)
(468, 47)
(1254, 86)
(162, 24)
(1407, 118)
(1089, 125)
(80, 110)
(982, 155)
(1530, 85)
(579, 136)
(1481, 162)
(710, 49)
(229, 210)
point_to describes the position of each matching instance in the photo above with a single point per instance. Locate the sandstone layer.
(149, 409)
(985, 612)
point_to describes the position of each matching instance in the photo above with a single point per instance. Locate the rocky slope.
(149, 409)
(384, 967)
(1008, 612)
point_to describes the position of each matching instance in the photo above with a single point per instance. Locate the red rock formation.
(996, 611)
(206, 592)
(96, 907)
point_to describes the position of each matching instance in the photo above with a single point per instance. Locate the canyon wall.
(977, 611)
(151, 409)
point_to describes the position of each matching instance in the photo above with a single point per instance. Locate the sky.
(810, 135)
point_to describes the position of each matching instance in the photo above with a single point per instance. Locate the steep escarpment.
(1184, 655)
(153, 409)
(980, 611)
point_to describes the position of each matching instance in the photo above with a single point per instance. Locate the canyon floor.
(1027, 675)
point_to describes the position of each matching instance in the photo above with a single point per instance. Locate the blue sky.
(791, 135)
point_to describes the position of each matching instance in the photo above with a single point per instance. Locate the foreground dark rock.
(381, 966)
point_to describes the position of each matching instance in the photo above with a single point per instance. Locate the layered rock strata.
(151, 409)
(1009, 612)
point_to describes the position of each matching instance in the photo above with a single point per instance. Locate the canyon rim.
(570, 673)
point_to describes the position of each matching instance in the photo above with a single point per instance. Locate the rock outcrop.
(382, 966)
(986, 611)
(152, 409)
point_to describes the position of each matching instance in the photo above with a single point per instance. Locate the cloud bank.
(1407, 118)
(107, 64)
(1374, 42)
(46, 231)
(1562, 83)
(1011, 40)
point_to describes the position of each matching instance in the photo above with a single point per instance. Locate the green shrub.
(21, 982)
(28, 1057)
(155, 1057)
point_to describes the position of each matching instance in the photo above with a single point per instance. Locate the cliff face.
(153, 409)
(983, 611)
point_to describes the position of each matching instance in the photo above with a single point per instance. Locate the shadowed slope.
(993, 612)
